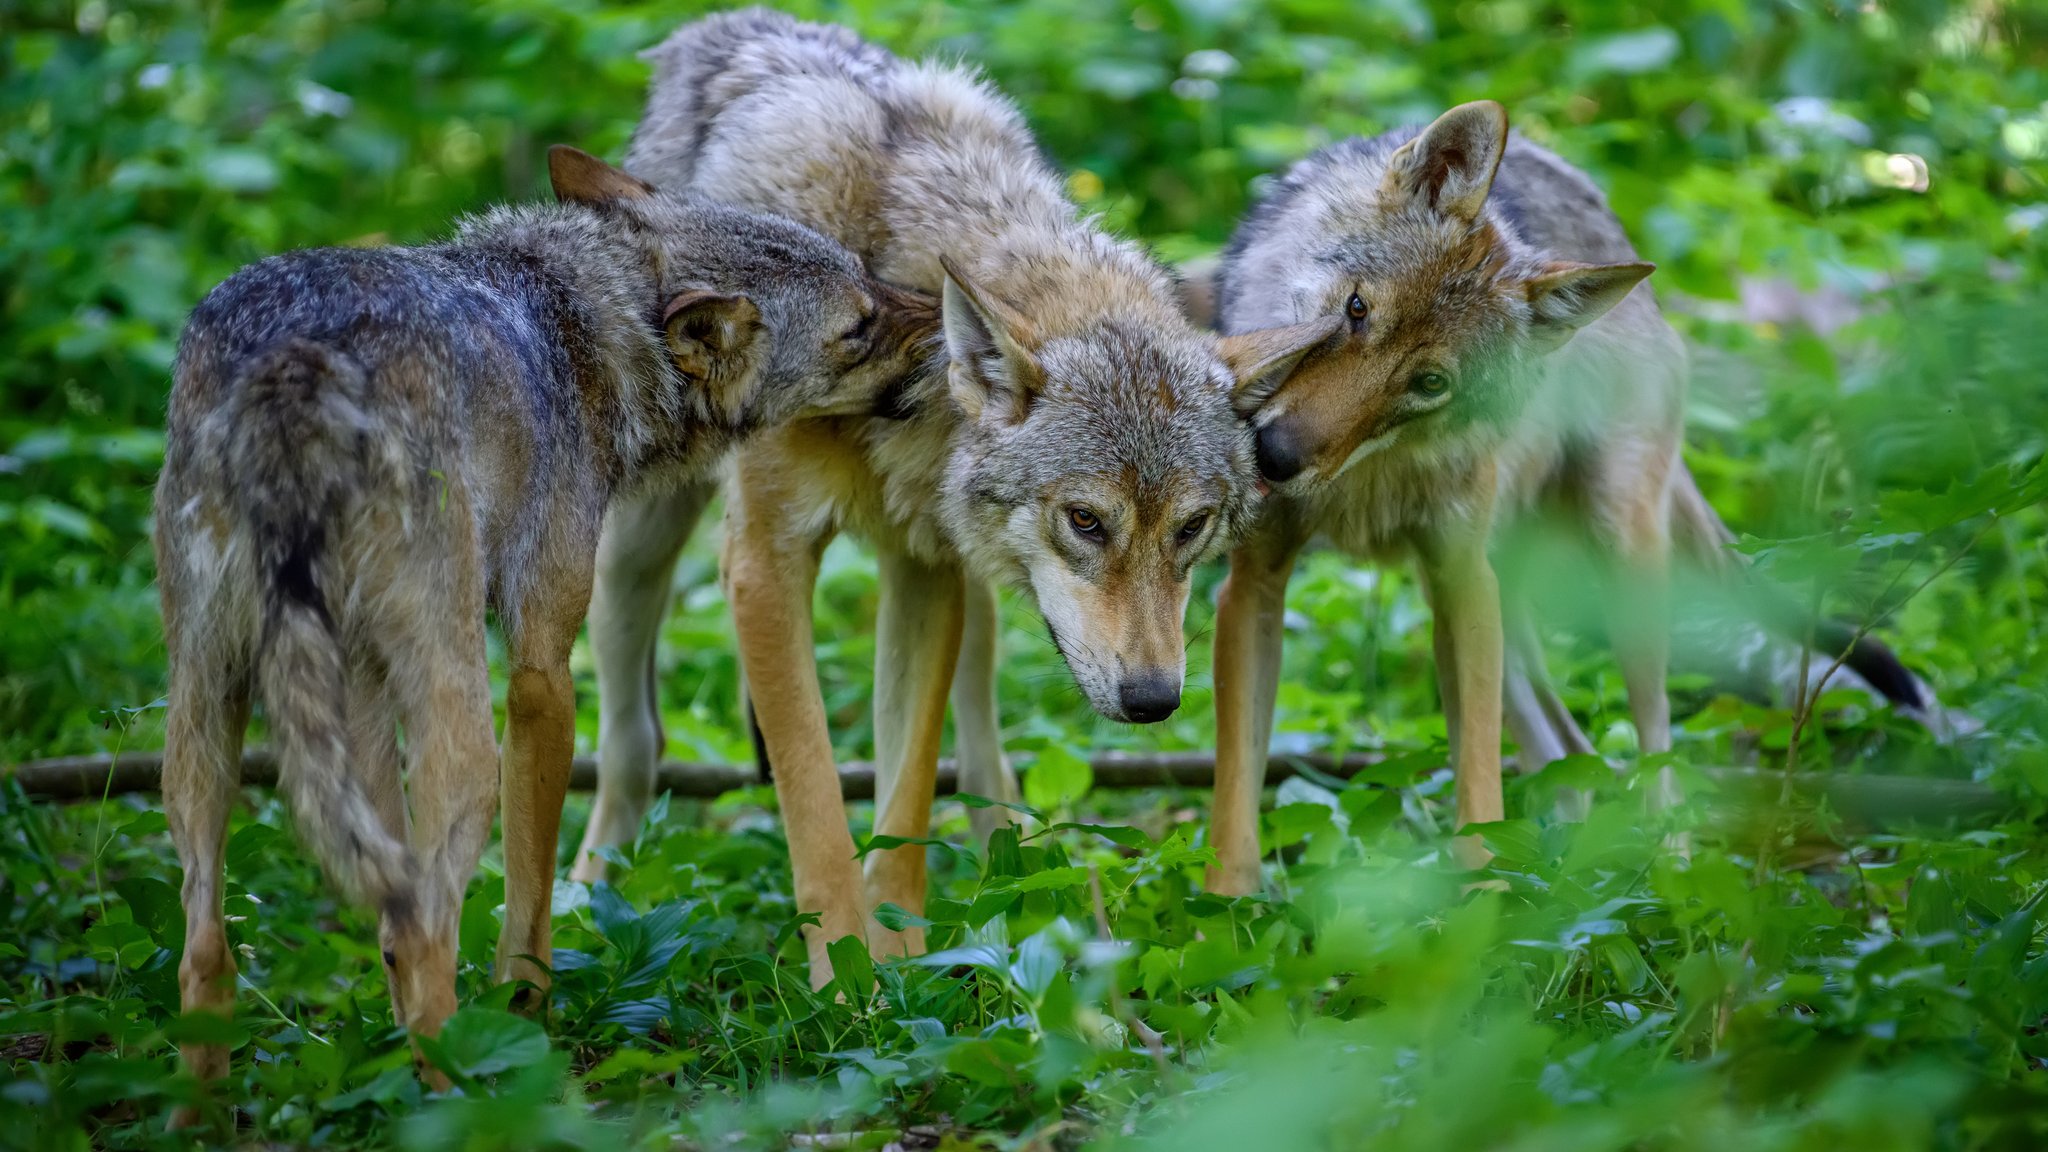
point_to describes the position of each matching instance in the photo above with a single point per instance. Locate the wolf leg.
(1542, 726)
(540, 743)
(1250, 614)
(770, 570)
(207, 713)
(636, 562)
(977, 725)
(373, 756)
(439, 676)
(917, 638)
(1638, 621)
(1465, 601)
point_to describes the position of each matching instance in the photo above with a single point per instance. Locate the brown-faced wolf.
(1499, 351)
(368, 448)
(1084, 444)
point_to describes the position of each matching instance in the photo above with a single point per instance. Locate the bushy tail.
(1698, 534)
(296, 453)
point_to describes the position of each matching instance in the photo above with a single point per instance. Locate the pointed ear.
(1450, 167)
(1566, 297)
(707, 331)
(1262, 360)
(580, 178)
(989, 346)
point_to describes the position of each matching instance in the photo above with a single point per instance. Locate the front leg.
(770, 570)
(1465, 598)
(1250, 616)
(539, 745)
(917, 638)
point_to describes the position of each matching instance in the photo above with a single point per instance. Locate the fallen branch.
(1861, 801)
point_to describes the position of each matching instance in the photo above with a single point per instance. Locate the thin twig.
(1154, 1042)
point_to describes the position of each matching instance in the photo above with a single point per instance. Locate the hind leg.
(440, 680)
(1542, 726)
(636, 563)
(206, 716)
(373, 756)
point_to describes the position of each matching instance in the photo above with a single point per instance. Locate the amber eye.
(1429, 383)
(1193, 527)
(1085, 522)
(1355, 307)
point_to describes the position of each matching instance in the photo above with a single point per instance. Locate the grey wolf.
(368, 448)
(1085, 443)
(1501, 351)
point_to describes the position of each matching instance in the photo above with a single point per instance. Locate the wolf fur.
(1503, 353)
(368, 448)
(1084, 445)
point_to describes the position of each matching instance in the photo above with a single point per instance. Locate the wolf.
(1085, 443)
(1502, 351)
(369, 448)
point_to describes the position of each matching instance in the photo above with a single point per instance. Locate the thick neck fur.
(640, 413)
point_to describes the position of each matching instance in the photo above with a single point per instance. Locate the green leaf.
(1293, 823)
(896, 919)
(1118, 834)
(1058, 777)
(853, 970)
(206, 1028)
(479, 1042)
(1053, 878)
(1510, 841)
(973, 801)
(156, 907)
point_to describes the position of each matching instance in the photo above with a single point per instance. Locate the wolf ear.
(1567, 296)
(1450, 167)
(580, 178)
(993, 371)
(706, 330)
(1262, 360)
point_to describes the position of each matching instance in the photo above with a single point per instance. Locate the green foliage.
(1845, 202)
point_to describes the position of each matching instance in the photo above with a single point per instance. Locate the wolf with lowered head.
(1085, 443)
(369, 448)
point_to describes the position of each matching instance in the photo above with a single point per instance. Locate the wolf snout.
(1149, 697)
(1281, 456)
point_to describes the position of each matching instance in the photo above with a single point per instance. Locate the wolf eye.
(1429, 383)
(1355, 307)
(860, 329)
(1193, 527)
(1085, 522)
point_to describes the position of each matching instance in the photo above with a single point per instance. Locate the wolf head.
(1441, 305)
(1096, 468)
(769, 319)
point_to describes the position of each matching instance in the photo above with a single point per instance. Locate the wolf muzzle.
(1280, 452)
(1149, 697)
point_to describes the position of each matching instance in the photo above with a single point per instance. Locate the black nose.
(1149, 697)
(1279, 453)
